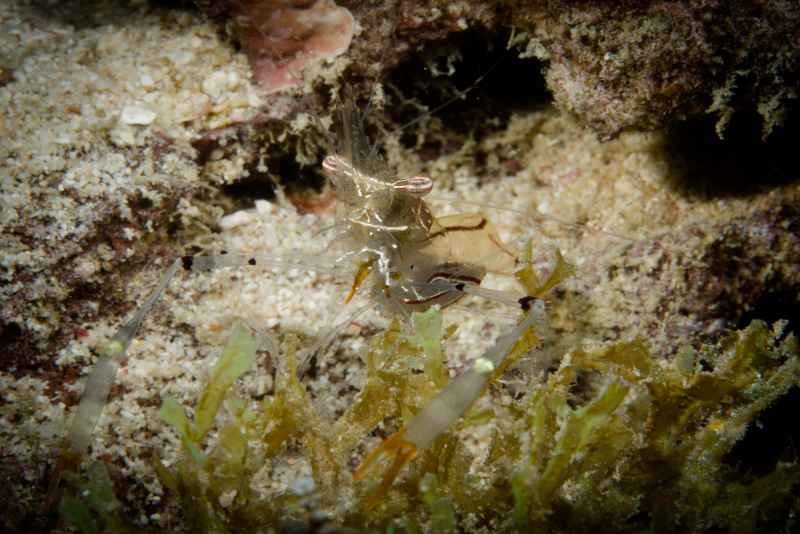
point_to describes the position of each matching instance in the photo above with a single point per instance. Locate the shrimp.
(417, 261)
(389, 222)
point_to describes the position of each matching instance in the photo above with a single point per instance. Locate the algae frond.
(608, 437)
(611, 438)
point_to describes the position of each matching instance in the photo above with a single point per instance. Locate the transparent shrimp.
(411, 251)
(418, 261)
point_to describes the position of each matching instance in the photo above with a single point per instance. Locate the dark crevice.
(246, 190)
(771, 438)
(741, 164)
(298, 178)
(773, 306)
(264, 176)
(494, 81)
(9, 332)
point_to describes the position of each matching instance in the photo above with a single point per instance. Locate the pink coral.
(282, 37)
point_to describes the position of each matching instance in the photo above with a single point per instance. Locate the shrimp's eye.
(416, 185)
(333, 166)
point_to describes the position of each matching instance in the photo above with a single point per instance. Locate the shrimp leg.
(448, 406)
(98, 386)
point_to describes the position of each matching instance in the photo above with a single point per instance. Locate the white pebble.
(147, 81)
(138, 115)
(263, 207)
(235, 219)
(215, 84)
(543, 207)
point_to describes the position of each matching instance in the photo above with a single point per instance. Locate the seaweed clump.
(616, 438)
(610, 438)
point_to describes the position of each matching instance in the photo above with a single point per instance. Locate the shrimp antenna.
(105, 369)
(540, 217)
(459, 96)
(321, 346)
(98, 385)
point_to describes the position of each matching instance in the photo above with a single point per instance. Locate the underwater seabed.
(602, 427)
(660, 395)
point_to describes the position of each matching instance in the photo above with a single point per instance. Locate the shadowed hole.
(509, 84)
(772, 437)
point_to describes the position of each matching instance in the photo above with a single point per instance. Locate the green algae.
(95, 497)
(611, 437)
(663, 447)
(608, 438)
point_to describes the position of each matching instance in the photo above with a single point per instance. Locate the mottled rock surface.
(635, 65)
